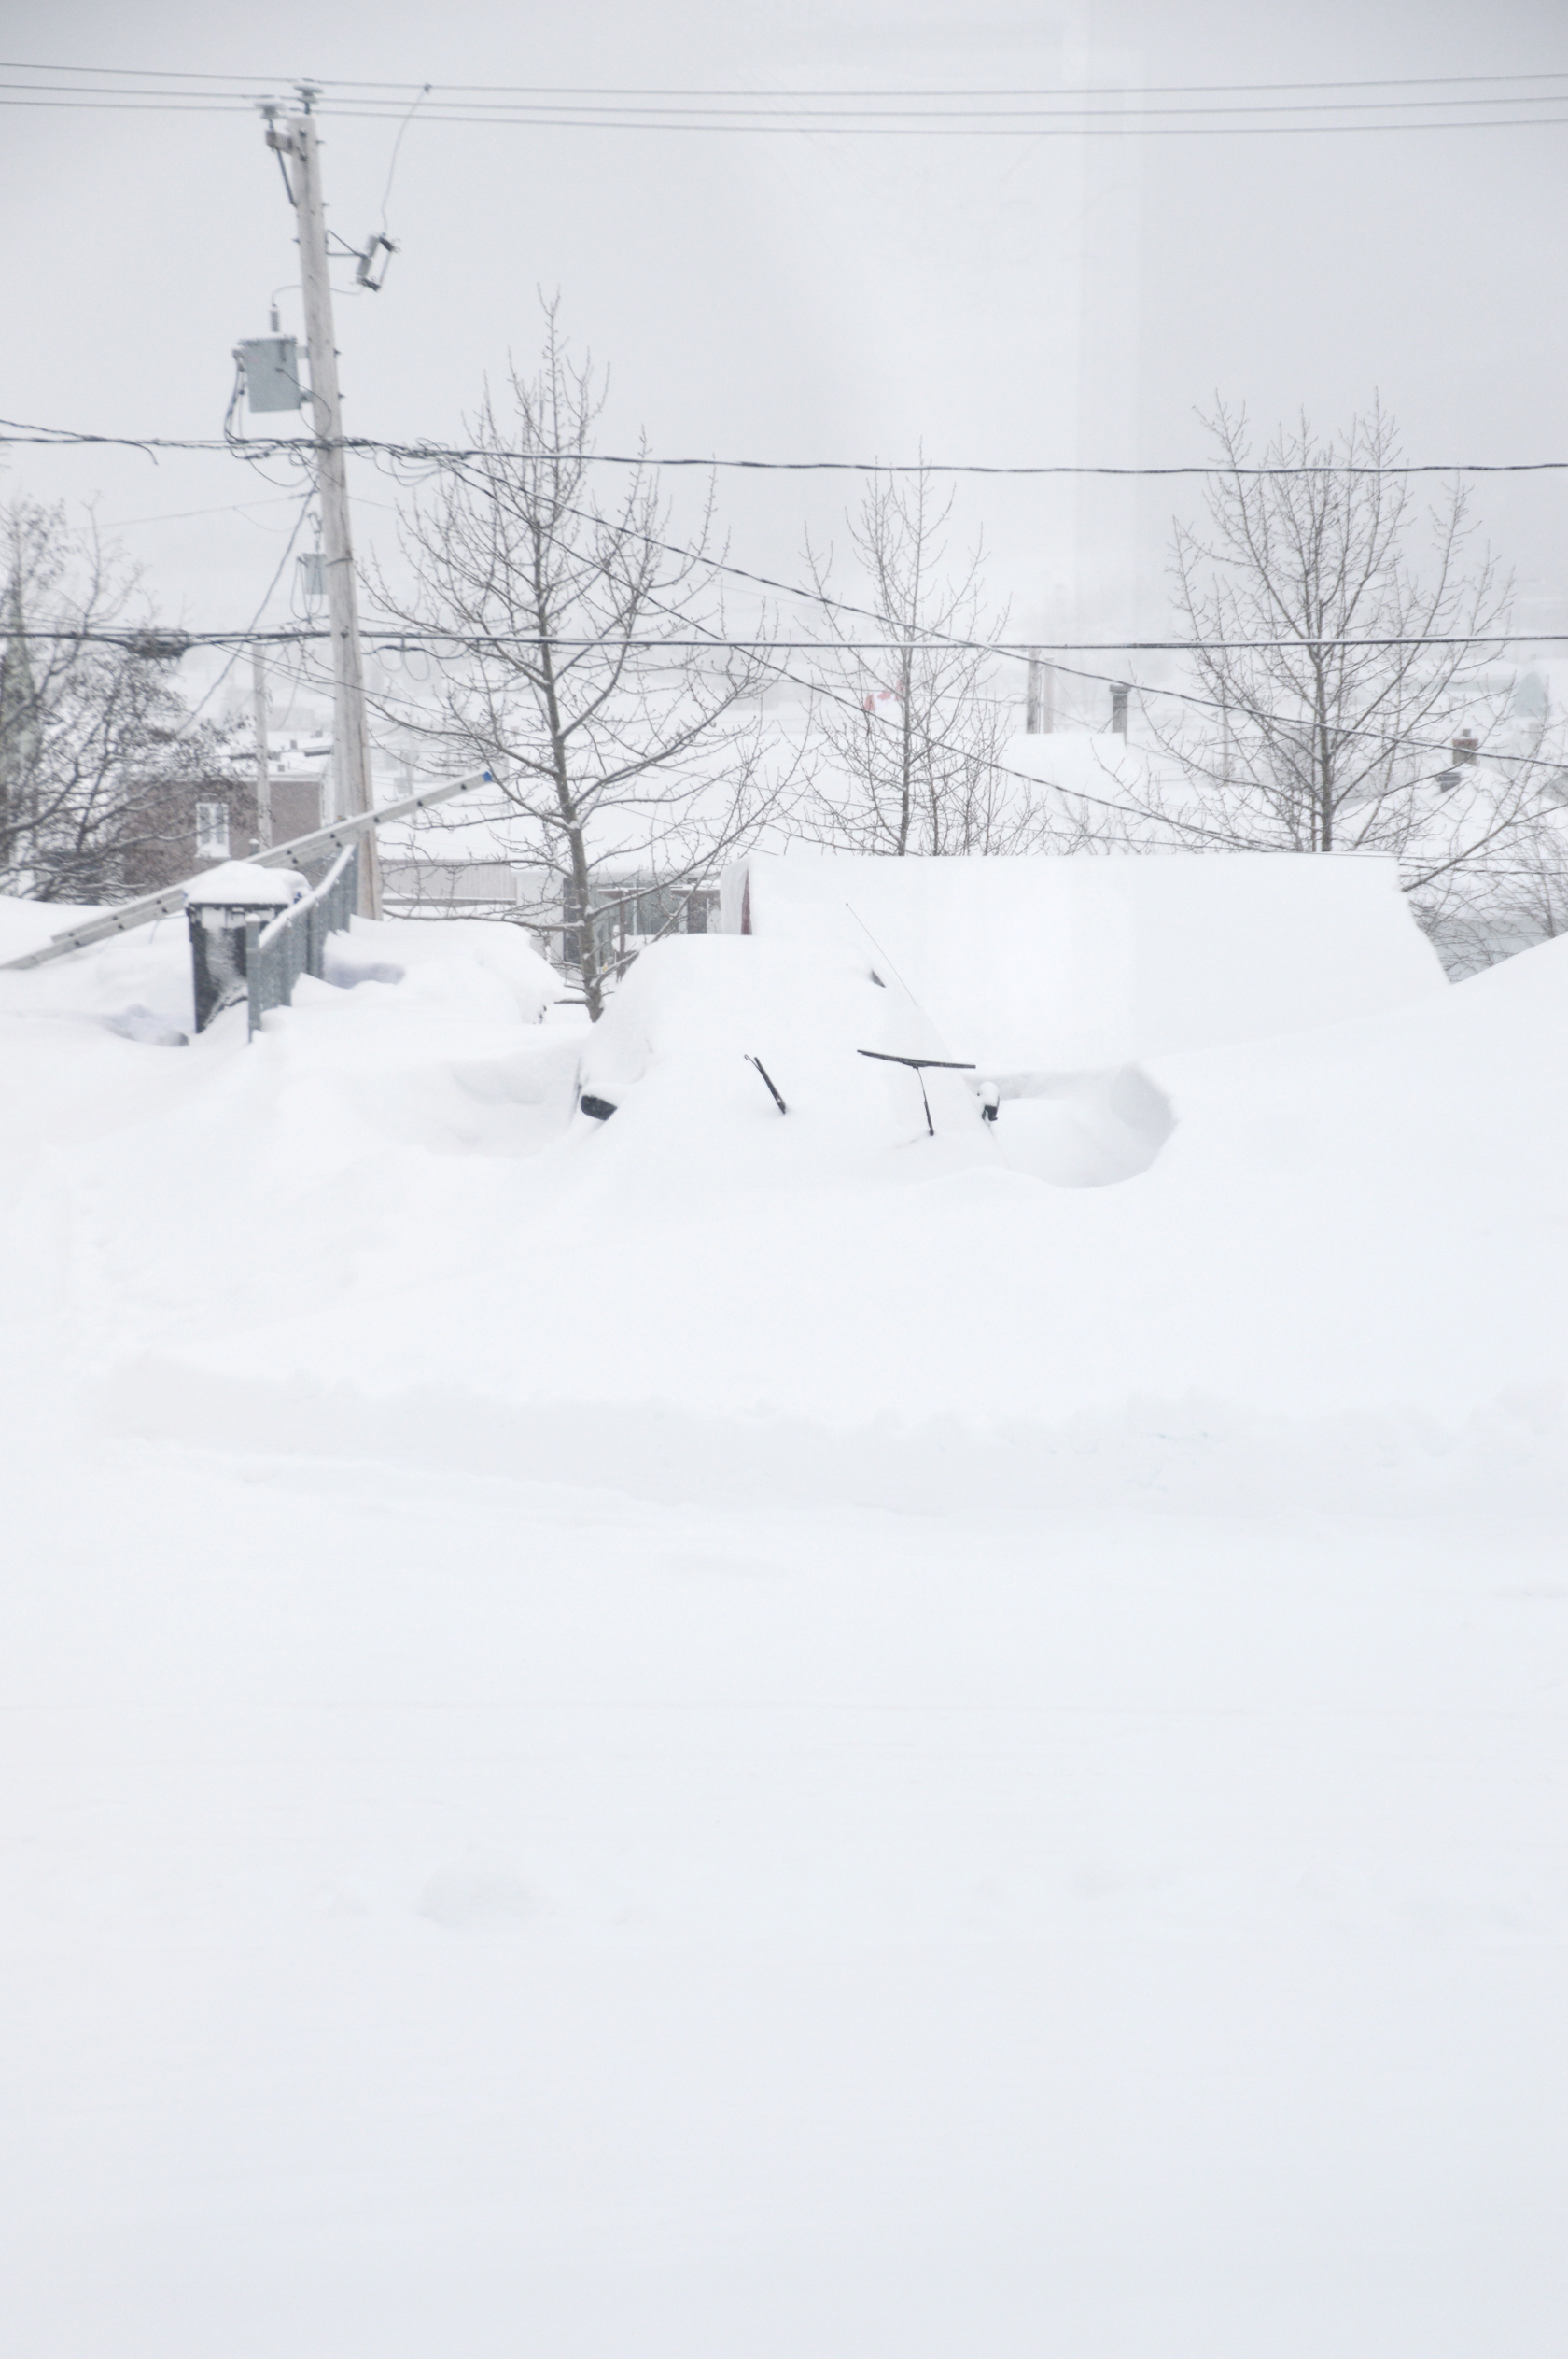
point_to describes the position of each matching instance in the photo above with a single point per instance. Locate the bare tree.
(910, 741)
(95, 742)
(1333, 673)
(584, 659)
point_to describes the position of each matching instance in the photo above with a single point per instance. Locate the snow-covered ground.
(718, 1733)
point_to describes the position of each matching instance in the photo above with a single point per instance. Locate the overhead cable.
(547, 90)
(809, 125)
(23, 433)
(938, 641)
(395, 635)
(1451, 102)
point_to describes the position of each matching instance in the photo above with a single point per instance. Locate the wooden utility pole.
(263, 774)
(294, 137)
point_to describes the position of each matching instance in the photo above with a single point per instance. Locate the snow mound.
(1095, 962)
(146, 1024)
(145, 972)
(1083, 1130)
(386, 950)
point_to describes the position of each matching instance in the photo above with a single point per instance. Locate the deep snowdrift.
(1332, 1261)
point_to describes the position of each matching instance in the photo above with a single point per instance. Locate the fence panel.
(295, 944)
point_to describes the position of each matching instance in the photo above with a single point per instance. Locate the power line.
(394, 635)
(1406, 81)
(1005, 770)
(757, 107)
(392, 640)
(22, 433)
(998, 768)
(248, 638)
(183, 516)
(1183, 828)
(474, 99)
(386, 638)
(92, 103)
(926, 638)
(1155, 110)
(943, 114)
(397, 151)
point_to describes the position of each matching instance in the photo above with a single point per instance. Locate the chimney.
(1466, 748)
(1119, 710)
(1033, 695)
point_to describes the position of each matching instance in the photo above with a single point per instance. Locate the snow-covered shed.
(1092, 961)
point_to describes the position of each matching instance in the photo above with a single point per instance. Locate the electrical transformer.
(271, 368)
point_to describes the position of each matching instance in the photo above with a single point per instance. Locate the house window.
(212, 831)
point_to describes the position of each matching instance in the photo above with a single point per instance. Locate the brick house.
(198, 823)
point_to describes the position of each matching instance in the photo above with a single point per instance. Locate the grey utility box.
(219, 908)
(270, 367)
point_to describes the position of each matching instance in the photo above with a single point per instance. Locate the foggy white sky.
(995, 301)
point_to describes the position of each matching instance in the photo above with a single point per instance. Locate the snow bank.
(1084, 1130)
(386, 950)
(1037, 964)
(243, 1180)
(146, 968)
(1331, 1256)
(139, 981)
